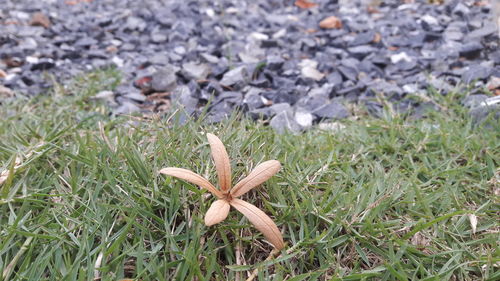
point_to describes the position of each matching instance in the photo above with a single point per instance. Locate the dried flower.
(228, 196)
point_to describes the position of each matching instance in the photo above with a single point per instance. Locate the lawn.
(388, 198)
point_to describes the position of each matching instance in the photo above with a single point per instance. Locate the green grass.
(382, 199)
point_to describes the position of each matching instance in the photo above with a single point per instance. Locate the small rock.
(238, 75)
(471, 50)
(430, 20)
(195, 71)
(330, 23)
(488, 116)
(43, 64)
(332, 110)
(475, 72)
(127, 107)
(304, 119)
(400, 57)
(182, 96)
(363, 38)
(473, 101)
(285, 122)
(252, 99)
(308, 70)
(482, 32)
(164, 80)
(274, 63)
(138, 97)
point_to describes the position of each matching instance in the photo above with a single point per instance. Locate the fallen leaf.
(331, 22)
(304, 4)
(221, 160)
(191, 177)
(40, 19)
(261, 221)
(260, 174)
(377, 37)
(6, 92)
(473, 222)
(217, 212)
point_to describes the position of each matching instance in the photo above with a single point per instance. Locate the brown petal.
(260, 174)
(221, 159)
(191, 177)
(260, 220)
(217, 212)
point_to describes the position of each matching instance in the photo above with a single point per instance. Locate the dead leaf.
(217, 212)
(191, 177)
(6, 92)
(40, 19)
(473, 222)
(304, 4)
(331, 22)
(4, 175)
(377, 38)
(261, 221)
(260, 174)
(420, 240)
(221, 159)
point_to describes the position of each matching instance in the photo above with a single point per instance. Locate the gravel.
(255, 56)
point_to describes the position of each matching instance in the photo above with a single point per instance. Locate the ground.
(388, 198)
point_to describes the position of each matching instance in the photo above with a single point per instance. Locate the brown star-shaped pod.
(227, 196)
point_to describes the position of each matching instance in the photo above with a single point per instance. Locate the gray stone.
(126, 108)
(304, 119)
(195, 71)
(238, 75)
(473, 101)
(252, 99)
(285, 122)
(476, 72)
(332, 110)
(348, 72)
(488, 116)
(363, 38)
(164, 80)
(480, 33)
(362, 50)
(471, 50)
(274, 63)
(138, 97)
(182, 96)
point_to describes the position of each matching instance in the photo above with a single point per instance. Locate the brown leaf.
(40, 19)
(217, 212)
(191, 177)
(331, 22)
(4, 175)
(260, 174)
(261, 221)
(304, 4)
(221, 159)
